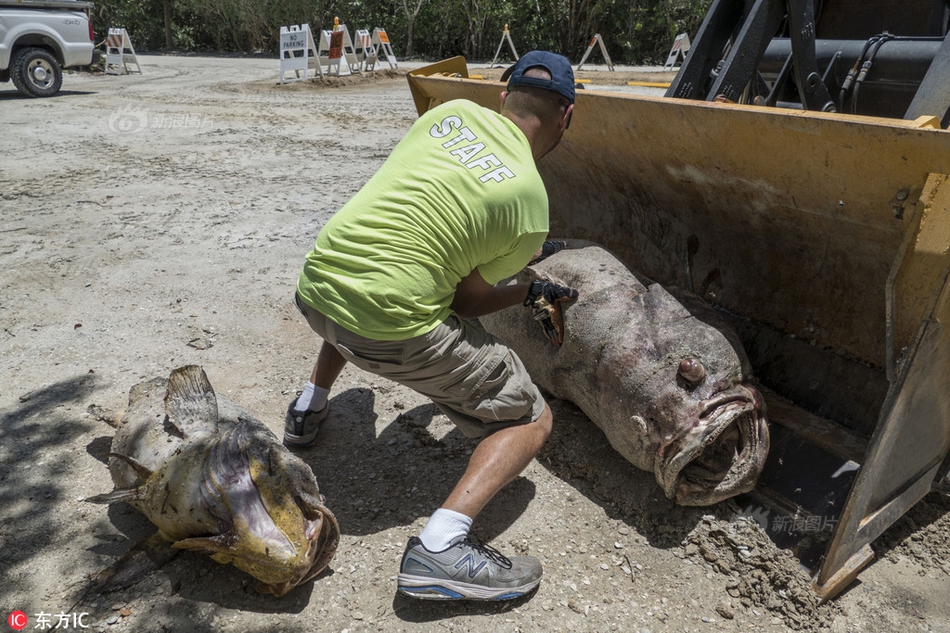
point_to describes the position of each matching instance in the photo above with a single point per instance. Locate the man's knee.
(544, 423)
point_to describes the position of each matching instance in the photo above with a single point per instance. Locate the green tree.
(635, 32)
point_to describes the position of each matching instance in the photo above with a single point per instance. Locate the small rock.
(725, 610)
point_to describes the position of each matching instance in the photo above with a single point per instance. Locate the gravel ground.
(157, 220)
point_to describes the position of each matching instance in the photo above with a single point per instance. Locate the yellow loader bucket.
(824, 238)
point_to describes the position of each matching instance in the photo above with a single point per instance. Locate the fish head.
(721, 450)
(274, 524)
(715, 436)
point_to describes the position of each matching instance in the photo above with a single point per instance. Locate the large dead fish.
(215, 480)
(669, 389)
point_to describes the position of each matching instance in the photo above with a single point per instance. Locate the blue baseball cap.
(562, 75)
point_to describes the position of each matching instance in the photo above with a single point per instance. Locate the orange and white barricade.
(120, 55)
(336, 47)
(678, 51)
(603, 49)
(381, 42)
(331, 53)
(349, 50)
(505, 37)
(365, 50)
(298, 53)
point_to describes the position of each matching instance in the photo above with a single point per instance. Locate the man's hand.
(547, 249)
(546, 299)
(551, 292)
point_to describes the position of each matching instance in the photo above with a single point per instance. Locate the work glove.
(546, 299)
(547, 249)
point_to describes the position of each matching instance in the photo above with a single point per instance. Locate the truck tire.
(36, 73)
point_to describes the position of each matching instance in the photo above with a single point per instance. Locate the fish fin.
(104, 415)
(217, 547)
(145, 557)
(190, 402)
(119, 494)
(144, 472)
(204, 544)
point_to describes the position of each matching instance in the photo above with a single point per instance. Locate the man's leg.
(328, 366)
(464, 567)
(310, 409)
(496, 461)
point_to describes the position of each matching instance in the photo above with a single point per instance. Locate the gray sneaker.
(466, 570)
(300, 428)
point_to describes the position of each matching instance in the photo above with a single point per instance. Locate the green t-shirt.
(460, 192)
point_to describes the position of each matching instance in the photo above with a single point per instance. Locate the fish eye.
(691, 370)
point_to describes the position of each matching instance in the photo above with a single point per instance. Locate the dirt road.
(156, 220)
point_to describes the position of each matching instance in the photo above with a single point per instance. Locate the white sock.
(313, 398)
(443, 527)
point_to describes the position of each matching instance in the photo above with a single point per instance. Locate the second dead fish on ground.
(213, 479)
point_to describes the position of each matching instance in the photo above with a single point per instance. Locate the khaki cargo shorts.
(474, 379)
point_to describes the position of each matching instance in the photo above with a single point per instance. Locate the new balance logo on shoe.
(473, 569)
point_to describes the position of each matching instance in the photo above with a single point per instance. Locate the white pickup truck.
(38, 38)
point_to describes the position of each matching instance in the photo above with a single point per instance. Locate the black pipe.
(903, 60)
(900, 64)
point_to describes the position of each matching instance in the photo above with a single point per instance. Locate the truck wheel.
(36, 73)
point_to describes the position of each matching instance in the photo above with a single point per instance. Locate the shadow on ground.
(35, 467)
(579, 453)
(375, 483)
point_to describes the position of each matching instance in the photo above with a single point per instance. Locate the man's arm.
(475, 297)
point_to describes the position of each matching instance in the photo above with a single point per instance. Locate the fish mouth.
(723, 453)
(323, 539)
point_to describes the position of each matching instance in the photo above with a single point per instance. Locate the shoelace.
(490, 552)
